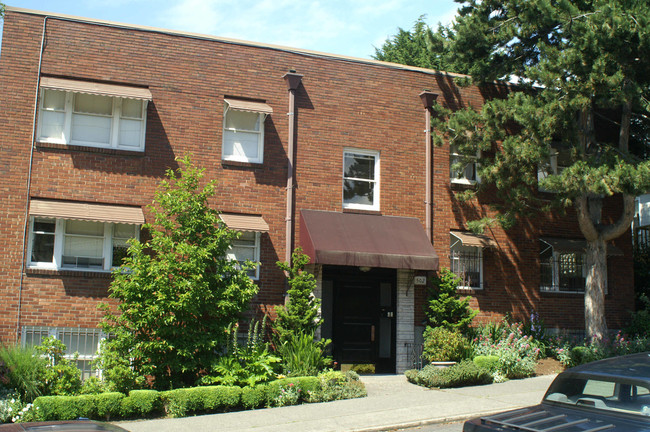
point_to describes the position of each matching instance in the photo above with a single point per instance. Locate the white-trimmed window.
(78, 244)
(247, 248)
(561, 270)
(243, 133)
(466, 262)
(82, 344)
(462, 168)
(92, 120)
(361, 179)
(559, 159)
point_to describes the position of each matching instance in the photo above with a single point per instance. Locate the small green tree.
(301, 315)
(445, 307)
(178, 292)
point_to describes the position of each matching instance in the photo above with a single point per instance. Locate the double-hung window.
(466, 257)
(559, 159)
(94, 115)
(247, 248)
(361, 179)
(462, 168)
(243, 130)
(78, 244)
(81, 236)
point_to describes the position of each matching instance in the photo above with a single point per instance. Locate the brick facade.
(341, 103)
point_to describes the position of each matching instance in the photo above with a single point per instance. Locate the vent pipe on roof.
(428, 99)
(293, 81)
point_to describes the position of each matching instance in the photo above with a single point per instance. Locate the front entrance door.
(363, 316)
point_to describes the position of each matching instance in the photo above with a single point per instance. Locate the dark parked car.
(61, 426)
(611, 394)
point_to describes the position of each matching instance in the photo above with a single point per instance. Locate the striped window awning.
(249, 106)
(94, 88)
(86, 211)
(243, 222)
(473, 240)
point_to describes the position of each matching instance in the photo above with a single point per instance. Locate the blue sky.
(351, 27)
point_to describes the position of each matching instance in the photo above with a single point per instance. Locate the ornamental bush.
(518, 353)
(178, 292)
(442, 344)
(465, 373)
(445, 308)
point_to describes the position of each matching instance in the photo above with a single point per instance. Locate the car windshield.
(601, 394)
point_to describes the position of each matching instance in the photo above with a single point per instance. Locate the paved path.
(392, 403)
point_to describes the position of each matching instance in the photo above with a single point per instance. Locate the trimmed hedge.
(174, 403)
(465, 373)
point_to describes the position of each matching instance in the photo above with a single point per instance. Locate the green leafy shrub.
(302, 355)
(92, 385)
(572, 352)
(61, 376)
(465, 373)
(335, 385)
(488, 362)
(517, 353)
(305, 384)
(177, 292)
(118, 374)
(254, 397)
(301, 314)
(182, 402)
(21, 369)
(14, 410)
(442, 344)
(141, 403)
(108, 405)
(51, 408)
(246, 365)
(445, 308)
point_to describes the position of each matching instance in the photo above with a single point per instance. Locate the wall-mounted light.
(365, 269)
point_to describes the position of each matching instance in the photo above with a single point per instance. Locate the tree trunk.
(595, 285)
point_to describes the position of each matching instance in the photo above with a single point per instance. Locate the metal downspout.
(293, 81)
(428, 98)
(29, 182)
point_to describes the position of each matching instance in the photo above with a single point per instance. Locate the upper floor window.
(559, 159)
(361, 179)
(243, 130)
(90, 114)
(462, 168)
(78, 244)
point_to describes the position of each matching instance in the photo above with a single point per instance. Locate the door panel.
(363, 316)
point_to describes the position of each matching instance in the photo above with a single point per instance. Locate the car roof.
(632, 367)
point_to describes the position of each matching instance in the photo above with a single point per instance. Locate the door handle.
(372, 333)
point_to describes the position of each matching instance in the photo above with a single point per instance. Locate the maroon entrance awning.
(366, 240)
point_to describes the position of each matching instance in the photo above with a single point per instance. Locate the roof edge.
(300, 51)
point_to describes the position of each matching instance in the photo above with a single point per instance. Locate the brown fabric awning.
(366, 240)
(250, 106)
(474, 240)
(86, 211)
(240, 222)
(96, 88)
(563, 245)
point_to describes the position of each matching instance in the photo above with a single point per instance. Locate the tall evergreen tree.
(583, 92)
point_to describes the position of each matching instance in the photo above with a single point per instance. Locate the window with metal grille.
(82, 343)
(467, 263)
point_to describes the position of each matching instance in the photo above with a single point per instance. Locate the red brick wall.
(339, 104)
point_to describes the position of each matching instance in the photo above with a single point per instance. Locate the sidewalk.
(392, 403)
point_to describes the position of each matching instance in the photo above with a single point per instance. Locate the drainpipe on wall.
(428, 99)
(293, 81)
(29, 182)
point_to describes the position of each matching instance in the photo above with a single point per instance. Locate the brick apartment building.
(94, 112)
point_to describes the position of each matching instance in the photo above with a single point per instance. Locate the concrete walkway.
(392, 403)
